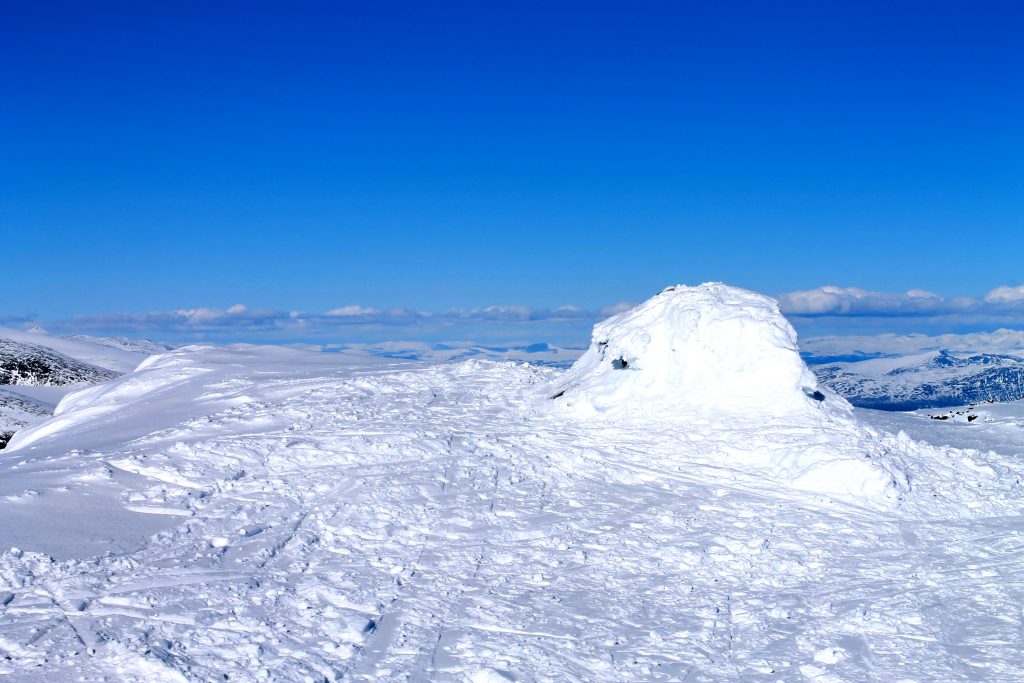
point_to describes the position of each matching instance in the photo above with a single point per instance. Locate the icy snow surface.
(259, 513)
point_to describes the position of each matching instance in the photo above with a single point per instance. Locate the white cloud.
(615, 309)
(810, 308)
(241, 322)
(832, 300)
(1000, 341)
(199, 316)
(351, 309)
(1005, 295)
(854, 308)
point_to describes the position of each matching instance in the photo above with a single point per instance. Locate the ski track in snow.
(428, 523)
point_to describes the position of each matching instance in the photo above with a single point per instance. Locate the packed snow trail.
(270, 514)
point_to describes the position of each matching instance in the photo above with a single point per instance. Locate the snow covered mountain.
(685, 503)
(926, 380)
(100, 352)
(38, 366)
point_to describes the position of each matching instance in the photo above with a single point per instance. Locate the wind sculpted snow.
(257, 513)
(38, 369)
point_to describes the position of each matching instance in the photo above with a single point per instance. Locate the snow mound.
(710, 347)
(717, 370)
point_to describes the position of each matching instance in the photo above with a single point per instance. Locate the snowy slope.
(259, 513)
(37, 369)
(33, 378)
(18, 411)
(981, 427)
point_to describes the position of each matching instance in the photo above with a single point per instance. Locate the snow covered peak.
(710, 347)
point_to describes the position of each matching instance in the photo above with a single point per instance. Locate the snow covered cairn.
(693, 349)
(715, 372)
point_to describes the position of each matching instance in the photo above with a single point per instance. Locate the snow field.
(407, 523)
(265, 514)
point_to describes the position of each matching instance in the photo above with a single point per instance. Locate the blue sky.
(434, 156)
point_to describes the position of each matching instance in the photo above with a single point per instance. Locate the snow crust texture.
(267, 514)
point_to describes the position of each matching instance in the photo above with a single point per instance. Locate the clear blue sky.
(434, 155)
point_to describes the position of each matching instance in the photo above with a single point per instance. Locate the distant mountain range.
(933, 379)
(538, 353)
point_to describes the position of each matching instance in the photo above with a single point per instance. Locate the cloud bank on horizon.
(851, 301)
(823, 310)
